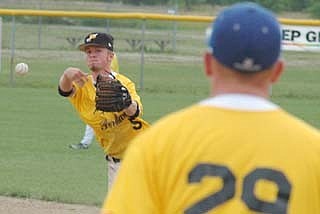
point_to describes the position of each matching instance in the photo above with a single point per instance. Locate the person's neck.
(102, 72)
(235, 89)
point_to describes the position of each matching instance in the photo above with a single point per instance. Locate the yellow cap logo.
(91, 36)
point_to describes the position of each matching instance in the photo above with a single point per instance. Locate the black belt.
(109, 158)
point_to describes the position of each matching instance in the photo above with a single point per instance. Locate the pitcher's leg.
(113, 168)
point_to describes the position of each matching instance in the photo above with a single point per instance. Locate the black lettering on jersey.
(280, 206)
(213, 200)
(136, 124)
(113, 123)
(284, 188)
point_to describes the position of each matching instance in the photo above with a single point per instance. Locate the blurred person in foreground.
(113, 130)
(89, 133)
(235, 152)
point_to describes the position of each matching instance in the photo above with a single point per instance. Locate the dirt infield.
(29, 206)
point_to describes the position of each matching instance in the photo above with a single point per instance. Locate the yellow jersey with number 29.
(228, 154)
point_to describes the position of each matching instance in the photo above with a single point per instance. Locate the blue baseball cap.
(246, 38)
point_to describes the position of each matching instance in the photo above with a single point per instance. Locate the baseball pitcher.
(105, 100)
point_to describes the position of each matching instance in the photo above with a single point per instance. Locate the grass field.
(37, 124)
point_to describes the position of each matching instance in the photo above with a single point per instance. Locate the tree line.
(308, 6)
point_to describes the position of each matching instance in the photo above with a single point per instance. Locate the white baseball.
(22, 68)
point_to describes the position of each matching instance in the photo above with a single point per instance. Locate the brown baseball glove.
(111, 95)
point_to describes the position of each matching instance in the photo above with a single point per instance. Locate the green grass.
(37, 125)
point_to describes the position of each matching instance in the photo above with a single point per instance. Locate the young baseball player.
(113, 130)
(235, 152)
(89, 133)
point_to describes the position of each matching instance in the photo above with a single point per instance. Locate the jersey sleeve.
(77, 93)
(75, 99)
(132, 90)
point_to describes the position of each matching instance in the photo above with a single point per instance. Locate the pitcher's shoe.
(78, 146)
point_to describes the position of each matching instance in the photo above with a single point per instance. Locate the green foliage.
(275, 5)
(145, 2)
(112, 22)
(297, 5)
(43, 20)
(315, 10)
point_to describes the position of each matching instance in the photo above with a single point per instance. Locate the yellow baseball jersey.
(115, 64)
(113, 130)
(213, 159)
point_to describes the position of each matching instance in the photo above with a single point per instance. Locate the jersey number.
(248, 196)
(136, 124)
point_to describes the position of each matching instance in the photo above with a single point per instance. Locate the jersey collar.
(244, 102)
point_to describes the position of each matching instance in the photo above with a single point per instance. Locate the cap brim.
(82, 47)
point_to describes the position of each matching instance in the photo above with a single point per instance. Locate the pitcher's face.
(98, 58)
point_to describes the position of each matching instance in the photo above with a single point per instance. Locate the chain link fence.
(139, 43)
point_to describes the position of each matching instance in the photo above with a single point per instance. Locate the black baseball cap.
(97, 39)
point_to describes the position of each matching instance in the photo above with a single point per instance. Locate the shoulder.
(123, 79)
(299, 124)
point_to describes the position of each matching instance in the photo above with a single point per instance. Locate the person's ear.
(277, 71)
(207, 58)
(110, 56)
